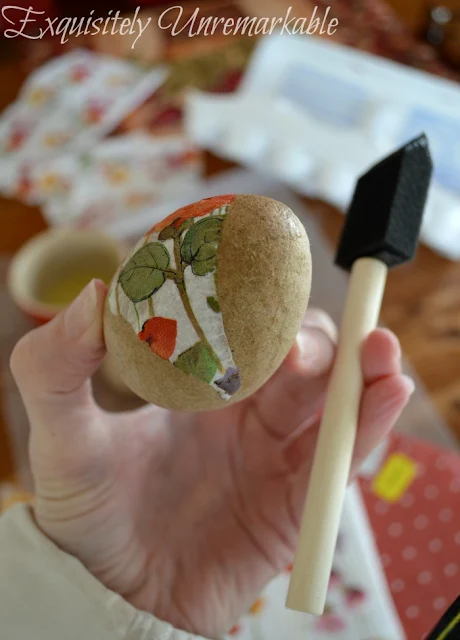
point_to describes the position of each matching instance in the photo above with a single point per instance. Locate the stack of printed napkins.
(54, 152)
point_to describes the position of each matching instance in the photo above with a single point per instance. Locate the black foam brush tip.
(385, 215)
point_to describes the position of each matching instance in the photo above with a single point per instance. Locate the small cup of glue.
(51, 269)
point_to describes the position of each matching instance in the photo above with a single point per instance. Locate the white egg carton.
(316, 115)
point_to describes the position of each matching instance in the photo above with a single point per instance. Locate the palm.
(222, 513)
(203, 504)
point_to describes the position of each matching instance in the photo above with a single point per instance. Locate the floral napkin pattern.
(121, 177)
(67, 106)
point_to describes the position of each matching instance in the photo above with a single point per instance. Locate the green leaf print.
(186, 225)
(144, 274)
(213, 304)
(199, 248)
(167, 233)
(204, 267)
(198, 361)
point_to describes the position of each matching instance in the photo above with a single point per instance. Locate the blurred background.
(99, 139)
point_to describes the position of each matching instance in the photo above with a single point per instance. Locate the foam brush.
(380, 231)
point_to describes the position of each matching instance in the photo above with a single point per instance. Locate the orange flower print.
(334, 580)
(94, 113)
(134, 200)
(55, 139)
(115, 172)
(234, 631)
(190, 156)
(79, 73)
(52, 183)
(117, 80)
(195, 210)
(354, 597)
(257, 607)
(160, 334)
(23, 185)
(38, 96)
(330, 623)
(16, 138)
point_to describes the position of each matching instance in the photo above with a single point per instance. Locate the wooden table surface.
(422, 300)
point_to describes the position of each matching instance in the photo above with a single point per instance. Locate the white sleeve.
(46, 594)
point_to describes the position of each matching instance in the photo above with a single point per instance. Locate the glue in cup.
(51, 269)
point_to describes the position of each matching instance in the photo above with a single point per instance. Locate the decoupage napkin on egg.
(67, 106)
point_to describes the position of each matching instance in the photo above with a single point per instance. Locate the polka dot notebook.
(413, 503)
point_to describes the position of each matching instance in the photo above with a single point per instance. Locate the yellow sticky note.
(394, 478)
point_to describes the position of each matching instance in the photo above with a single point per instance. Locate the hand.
(187, 516)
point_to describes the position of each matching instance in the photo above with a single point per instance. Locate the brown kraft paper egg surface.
(255, 252)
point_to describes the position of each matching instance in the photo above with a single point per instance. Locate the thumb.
(52, 364)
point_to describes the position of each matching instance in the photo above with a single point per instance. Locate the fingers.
(296, 391)
(382, 404)
(380, 356)
(52, 364)
(386, 393)
(321, 320)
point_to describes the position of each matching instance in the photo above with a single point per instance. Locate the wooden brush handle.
(334, 449)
